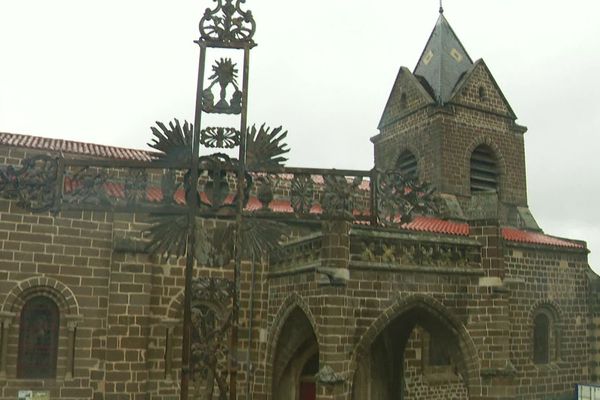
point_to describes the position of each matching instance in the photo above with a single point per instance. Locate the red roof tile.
(517, 235)
(435, 225)
(70, 146)
(419, 224)
(154, 194)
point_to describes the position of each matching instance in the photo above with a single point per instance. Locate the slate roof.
(443, 61)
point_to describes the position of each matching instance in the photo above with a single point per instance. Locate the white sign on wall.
(33, 395)
(588, 392)
(25, 394)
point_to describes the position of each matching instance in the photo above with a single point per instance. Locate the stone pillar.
(5, 322)
(333, 275)
(335, 253)
(492, 335)
(489, 234)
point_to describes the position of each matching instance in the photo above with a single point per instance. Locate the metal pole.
(193, 205)
(250, 366)
(373, 185)
(241, 181)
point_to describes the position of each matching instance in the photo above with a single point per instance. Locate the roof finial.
(441, 7)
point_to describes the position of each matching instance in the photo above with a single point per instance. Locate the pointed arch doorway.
(296, 359)
(418, 354)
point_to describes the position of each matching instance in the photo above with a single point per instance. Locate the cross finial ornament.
(441, 7)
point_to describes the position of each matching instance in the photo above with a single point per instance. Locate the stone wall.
(66, 257)
(555, 282)
(425, 381)
(357, 287)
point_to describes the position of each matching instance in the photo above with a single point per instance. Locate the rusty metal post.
(373, 184)
(192, 210)
(241, 182)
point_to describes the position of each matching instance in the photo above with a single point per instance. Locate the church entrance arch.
(296, 359)
(421, 352)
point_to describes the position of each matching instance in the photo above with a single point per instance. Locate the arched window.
(541, 339)
(38, 339)
(546, 336)
(484, 170)
(407, 164)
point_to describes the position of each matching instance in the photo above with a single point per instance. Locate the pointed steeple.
(444, 60)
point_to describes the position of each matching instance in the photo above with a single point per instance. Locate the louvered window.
(38, 339)
(484, 170)
(407, 165)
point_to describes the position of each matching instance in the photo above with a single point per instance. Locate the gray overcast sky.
(104, 71)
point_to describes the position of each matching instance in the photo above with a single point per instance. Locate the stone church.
(476, 302)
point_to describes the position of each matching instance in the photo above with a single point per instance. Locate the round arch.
(552, 311)
(487, 141)
(56, 290)
(175, 308)
(484, 140)
(406, 147)
(68, 318)
(549, 306)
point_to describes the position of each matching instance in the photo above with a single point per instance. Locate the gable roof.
(467, 77)
(443, 61)
(391, 110)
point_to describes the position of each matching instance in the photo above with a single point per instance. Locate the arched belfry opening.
(407, 164)
(296, 360)
(484, 170)
(417, 355)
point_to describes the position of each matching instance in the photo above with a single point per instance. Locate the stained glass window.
(38, 339)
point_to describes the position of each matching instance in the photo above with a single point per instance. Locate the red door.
(308, 391)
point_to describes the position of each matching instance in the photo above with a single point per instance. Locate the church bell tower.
(448, 123)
